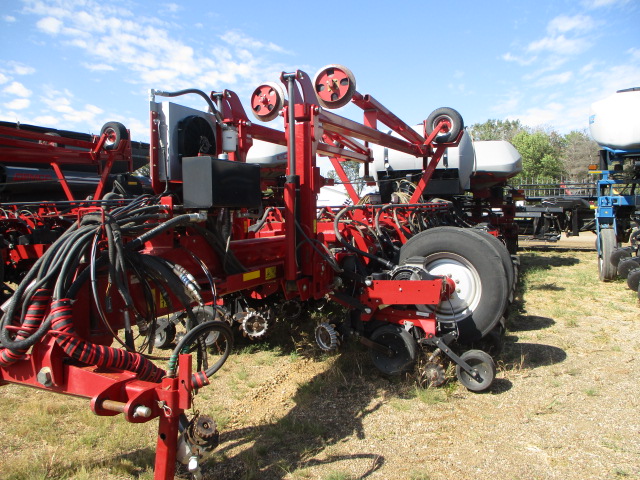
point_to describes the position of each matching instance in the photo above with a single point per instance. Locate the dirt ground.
(565, 404)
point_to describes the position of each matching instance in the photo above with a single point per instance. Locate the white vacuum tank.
(614, 122)
(480, 164)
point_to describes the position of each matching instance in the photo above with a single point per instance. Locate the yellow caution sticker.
(250, 275)
(269, 273)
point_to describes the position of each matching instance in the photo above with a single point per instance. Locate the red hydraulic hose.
(99, 355)
(32, 321)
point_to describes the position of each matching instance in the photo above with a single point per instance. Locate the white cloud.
(46, 120)
(554, 80)
(17, 89)
(509, 57)
(241, 40)
(145, 47)
(3, 79)
(98, 67)
(20, 68)
(50, 25)
(172, 7)
(9, 18)
(560, 44)
(603, 3)
(508, 104)
(564, 24)
(18, 104)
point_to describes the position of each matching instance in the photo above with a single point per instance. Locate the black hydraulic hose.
(260, 223)
(192, 335)
(186, 91)
(340, 238)
(230, 262)
(174, 222)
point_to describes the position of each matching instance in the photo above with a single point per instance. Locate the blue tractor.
(615, 124)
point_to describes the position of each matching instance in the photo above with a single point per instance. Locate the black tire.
(626, 265)
(116, 132)
(505, 257)
(165, 333)
(618, 254)
(633, 279)
(402, 343)
(449, 114)
(479, 305)
(606, 244)
(484, 364)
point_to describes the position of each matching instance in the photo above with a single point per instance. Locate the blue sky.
(76, 64)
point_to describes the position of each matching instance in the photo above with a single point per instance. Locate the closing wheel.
(482, 289)
(480, 362)
(633, 279)
(626, 265)
(115, 132)
(452, 124)
(267, 101)
(607, 243)
(334, 85)
(402, 345)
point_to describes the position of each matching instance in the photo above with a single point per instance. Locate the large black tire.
(607, 244)
(449, 114)
(482, 287)
(116, 132)
(505, 257)
(402, 343)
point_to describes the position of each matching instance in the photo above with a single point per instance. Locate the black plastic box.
(211, 182)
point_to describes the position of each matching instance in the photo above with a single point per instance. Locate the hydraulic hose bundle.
(42, 303)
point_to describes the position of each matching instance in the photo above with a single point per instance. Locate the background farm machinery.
(615, 126)
(218, 238)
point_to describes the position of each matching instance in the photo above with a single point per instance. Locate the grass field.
(564, 406)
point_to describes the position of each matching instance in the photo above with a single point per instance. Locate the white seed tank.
(614, 122)
(480, 164)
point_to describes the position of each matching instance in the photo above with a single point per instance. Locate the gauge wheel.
(401, 343)
(165, 333)
(607, 243)
(482, 289)
(483, 364)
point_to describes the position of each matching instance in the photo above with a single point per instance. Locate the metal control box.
(212, 182)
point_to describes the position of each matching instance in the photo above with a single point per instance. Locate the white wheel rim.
(468, 292)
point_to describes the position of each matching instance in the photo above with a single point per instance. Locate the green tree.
(352, 170)
(579, 152)
(495, 130)
(541, 153)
